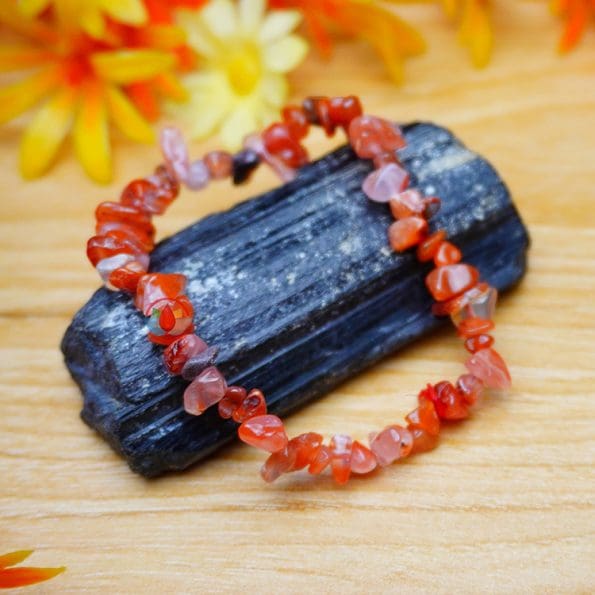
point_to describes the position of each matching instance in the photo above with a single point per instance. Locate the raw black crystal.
(299, 290)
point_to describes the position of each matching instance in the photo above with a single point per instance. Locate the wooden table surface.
(506, 504)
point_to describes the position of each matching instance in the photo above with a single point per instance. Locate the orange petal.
(128, 66)
(169, 86)
(21, 577)
(14, 558)
(91, 137)
(127, 118)
(15, 57)
(577, 16)
(143, 96)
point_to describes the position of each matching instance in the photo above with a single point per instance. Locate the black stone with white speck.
(299, 290)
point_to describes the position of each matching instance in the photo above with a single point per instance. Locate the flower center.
(244, 69)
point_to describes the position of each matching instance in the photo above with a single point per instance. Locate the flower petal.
(13, 558)
(22, 95)
(476, 33)
(18, 57)
(274, 89)
(285, 54)
(131, 12)
(91, 21)
(31, 8)
(21, 577)
(127, 118)
(91, 138)
(127, 66)
(45, 133)
(241, 122)
(198, 34)
(220, 18)
(277, 24)
(250, 13)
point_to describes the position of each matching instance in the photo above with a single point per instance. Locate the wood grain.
(504, 505)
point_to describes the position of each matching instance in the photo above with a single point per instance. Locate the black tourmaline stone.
(299, 290)
(244, 163)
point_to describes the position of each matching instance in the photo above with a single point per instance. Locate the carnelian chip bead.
(279, 142)
(154, 287)
(170, 318)
(449, 402)
(278, 463)
(473, 327)
(317, 110)
(320, 460)
(219, 164)
(470, 387)
(385, 182)
(342, 110)
(341, 447)
(181, 350)
(207, 389)
(100, 247)
(266, 432)
(422, 441)
(126, 278)
(489, 367)
(451, 280)
(296, 120)
(428, 247)
(252, 405)
(369, 136)
(473, 344)
(405, 233)
(447, 253)
(363, 459)
(304, 447)
(425, 417)
(407, 203)
(391, 444)
(233, 398)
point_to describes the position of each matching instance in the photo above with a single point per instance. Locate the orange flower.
(23, 575)
(84, 83)
(393, 39)
(576, 13)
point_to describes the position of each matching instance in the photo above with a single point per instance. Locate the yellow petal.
(14, 558)
(31, 8)
(91, 139)
(274, 89)
(241, 122)
(21, 96)
(128, 66)
(277, 24)
(163, 37)
(285, 54)
(220, 17)
(127, 118)
(45, 133)
(168, 85)
(92, 22)
(476, 33)
(131, 12)
(250, 13)
(198, 34)
(17, 57)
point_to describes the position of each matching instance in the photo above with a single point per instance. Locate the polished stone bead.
(477, 302)
(422, 440)
(473, 327)
(170, 318)
(363, 459)
(305, 447)
(126, 278)
(425, 417)
(175, 152)
(199, 362)
(449, 402)
(143, 238)
(107, 266)
(181, 350)
(255, 143)
(447, 253)
(391, 444)
(266, 432)
(219, 164)
(470, 387)
(279, 142)
(278, 463)
(146, 195)
(384, 183)
(118, 213)
(153, 287)
(341, 446)
(244, 163)
(473, 344)
(451, 280)
(106, 246)
(406, 233)
(369, 136)
(428, 247)
(251, 406)
(317, 110)
(198, 175)
(321, 459)
(296, 120)
(342, 110)
(407, 204)
(489, 367)
(207, 389)
(233, 398)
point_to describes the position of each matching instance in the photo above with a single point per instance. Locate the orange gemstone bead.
(470, 388)
(422, 440)
(126, 278)
(489, 367)
(233, 398)
(317, 110)
(279, 142)
(473, 344)
(362, 459)
(296, 120)
(119, 213)
(321, 459)
(253, 405)
(429, 246)
(341, 447)
(305, 447)
(266, 432)
(106, 246)
(408, 232)
(153, 287)
(460, 302)
(447, 253)
(219, 164)
(278, 463)
(425, 417)
(473, 327)
(451, 280)
(181, 350)
(391, 444)
(369, 136)
(207, 389)
(407, 204)
(449, 402)
(342, 110)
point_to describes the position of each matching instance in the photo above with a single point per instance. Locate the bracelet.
(125, 237)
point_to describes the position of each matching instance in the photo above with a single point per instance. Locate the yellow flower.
(475, 31)
(88, 15)
(245, 56)
(82, 83)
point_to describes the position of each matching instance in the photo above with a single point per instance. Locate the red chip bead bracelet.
(125, 237)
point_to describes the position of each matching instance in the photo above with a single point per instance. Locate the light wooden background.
(506, 504)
